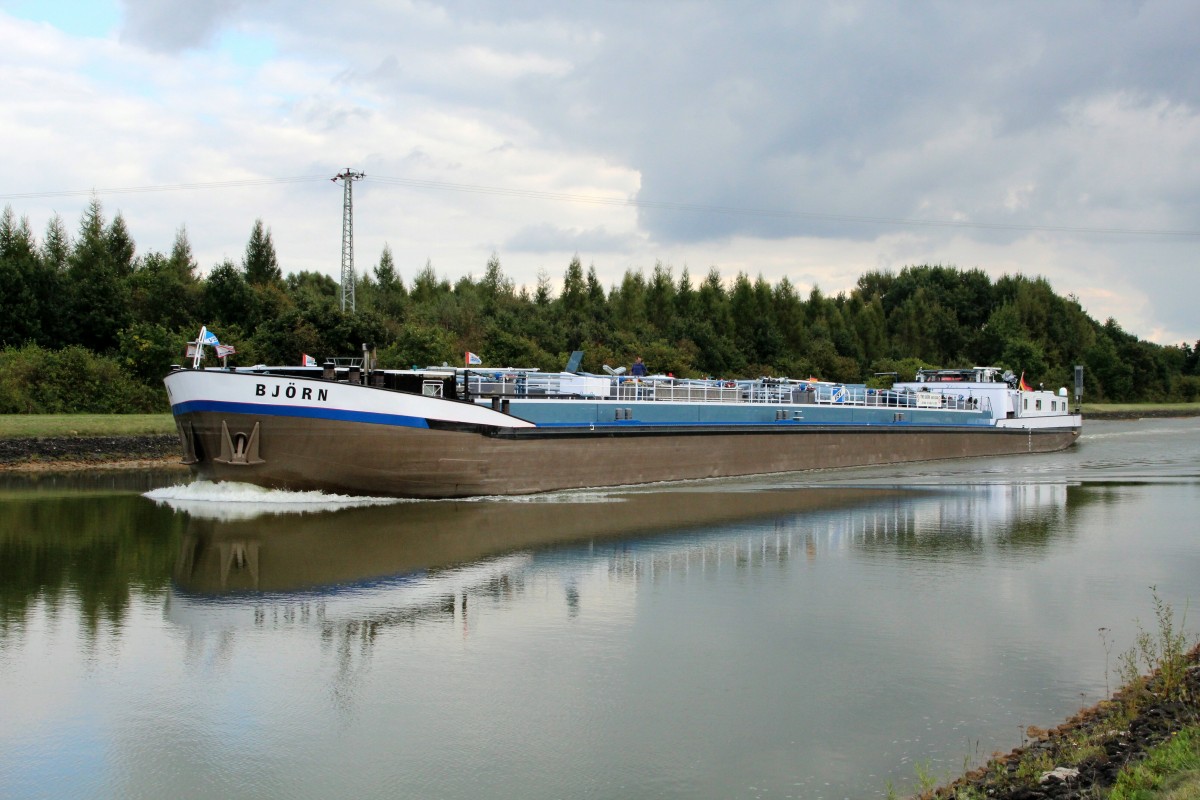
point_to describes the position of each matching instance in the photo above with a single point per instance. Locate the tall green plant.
(73, 380)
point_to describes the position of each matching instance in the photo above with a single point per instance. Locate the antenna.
(348, 281)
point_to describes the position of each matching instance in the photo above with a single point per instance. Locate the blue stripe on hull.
(339, 414)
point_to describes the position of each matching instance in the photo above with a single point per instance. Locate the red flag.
(307, 361)
(1025, 387)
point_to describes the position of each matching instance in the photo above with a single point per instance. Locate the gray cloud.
(547, 238)
(896, 111)
(953, 111)
(171, 26)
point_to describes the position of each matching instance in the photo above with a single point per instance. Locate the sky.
(816, 141)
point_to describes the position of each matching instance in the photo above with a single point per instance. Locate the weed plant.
(1153, 669)
(1173, 763)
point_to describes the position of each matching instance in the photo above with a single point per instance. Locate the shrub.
(73, 380)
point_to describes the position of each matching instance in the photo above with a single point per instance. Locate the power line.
(629, 202)
(169, 187)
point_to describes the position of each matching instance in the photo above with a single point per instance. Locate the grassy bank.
(1135, 410)
(25, 426)
(1142, 743)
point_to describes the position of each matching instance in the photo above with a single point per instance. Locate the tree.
(164, 289)
(573, 303)
(260, 264)
(754, 328)
(660, 300)
(313, 291)
(54, 254)
(389, 294)
(98, 299)
(427, 289)
(718, 353)
(121, 248)
(56, 247)
(227, 298)
(23, 289)
(182, 262)
(494, 283)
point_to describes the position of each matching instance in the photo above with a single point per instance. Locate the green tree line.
(87, 323)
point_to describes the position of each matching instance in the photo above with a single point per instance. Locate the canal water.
(817, 635)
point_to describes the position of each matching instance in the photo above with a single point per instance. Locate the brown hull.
(358, 458)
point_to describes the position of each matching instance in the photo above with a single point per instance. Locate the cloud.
(894, 112)
(548, 238)
(172, 26)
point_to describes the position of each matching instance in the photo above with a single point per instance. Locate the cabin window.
(1026, 403)
(1037, 404)
(1054, 405)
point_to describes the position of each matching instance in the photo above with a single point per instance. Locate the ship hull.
(304, 453)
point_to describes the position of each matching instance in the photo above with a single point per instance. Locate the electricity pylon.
(348, 281)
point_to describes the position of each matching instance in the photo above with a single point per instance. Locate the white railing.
(773, 391)
(887, 398)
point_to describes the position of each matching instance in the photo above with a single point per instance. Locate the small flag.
(307, 360)
(1025, 387)
(225, 350)
(207, 336)
(473, 359)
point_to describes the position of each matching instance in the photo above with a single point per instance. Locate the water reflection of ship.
(288, 553)
(355, 571)
(937, 523)
(354, 575)
(436, 553)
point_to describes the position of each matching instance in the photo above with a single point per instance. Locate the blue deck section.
(581, 412)
(307, 412)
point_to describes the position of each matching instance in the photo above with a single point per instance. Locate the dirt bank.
(1081, 757)
(89, 452)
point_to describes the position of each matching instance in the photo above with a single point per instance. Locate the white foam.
(230, 500)
(565, 496)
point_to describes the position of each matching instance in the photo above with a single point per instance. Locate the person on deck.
(638, 370)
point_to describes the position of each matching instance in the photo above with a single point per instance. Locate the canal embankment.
(1144, 742)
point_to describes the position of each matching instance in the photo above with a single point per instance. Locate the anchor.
(239, 449)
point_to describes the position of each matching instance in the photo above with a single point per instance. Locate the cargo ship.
(444, 432)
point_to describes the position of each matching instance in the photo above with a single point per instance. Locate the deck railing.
(772, 391)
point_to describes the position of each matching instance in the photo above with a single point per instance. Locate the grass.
(24, 426)
(1170, 771)
(1126, 408)
(1153, 672)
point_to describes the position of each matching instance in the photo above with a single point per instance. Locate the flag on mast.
(1025, 387)
(307, 361)
(196, 348)
(473, 359)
